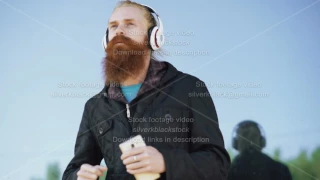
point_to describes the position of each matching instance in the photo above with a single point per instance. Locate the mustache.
(120, 39)
(128, 47)
(123, 39)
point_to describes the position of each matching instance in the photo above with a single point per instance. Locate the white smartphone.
(137, 141)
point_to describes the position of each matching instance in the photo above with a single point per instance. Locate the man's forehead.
(125, 13)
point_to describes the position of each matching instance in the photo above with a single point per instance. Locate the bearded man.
(151, 98)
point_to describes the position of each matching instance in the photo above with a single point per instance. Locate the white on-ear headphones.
(155, 33)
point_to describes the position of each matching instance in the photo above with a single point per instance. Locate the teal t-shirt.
(130, 92)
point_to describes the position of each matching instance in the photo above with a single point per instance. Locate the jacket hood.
(170, 74)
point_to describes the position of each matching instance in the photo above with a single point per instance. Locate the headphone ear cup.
(149, 37)
(152, 39)
(104, 42)
(160, 38)
(235, 143)
(107, 36)
(262, 142)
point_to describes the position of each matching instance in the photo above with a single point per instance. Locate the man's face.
(127, 50)
(128, 21)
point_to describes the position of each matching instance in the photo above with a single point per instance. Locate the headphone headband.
(151, 10)
(159, 25)
(249, 123)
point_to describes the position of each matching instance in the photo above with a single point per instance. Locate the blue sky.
(49, 45)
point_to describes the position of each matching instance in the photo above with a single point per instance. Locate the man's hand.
(88, 172)
(143, 159)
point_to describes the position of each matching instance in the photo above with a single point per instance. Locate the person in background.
(251, 164)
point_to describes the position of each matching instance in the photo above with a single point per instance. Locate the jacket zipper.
(128, 110)
(128, 116)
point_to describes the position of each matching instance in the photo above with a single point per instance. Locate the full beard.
(124, 59)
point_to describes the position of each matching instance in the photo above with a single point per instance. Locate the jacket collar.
(156, 70)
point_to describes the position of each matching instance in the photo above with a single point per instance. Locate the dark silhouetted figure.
(251, 163)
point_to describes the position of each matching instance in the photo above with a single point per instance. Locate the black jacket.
(105, 123)
(254, 165)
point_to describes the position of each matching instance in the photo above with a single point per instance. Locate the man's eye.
(113, 26)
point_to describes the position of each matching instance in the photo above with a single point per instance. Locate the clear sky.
(49, 48)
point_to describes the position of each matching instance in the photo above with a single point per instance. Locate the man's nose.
(119, 31)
